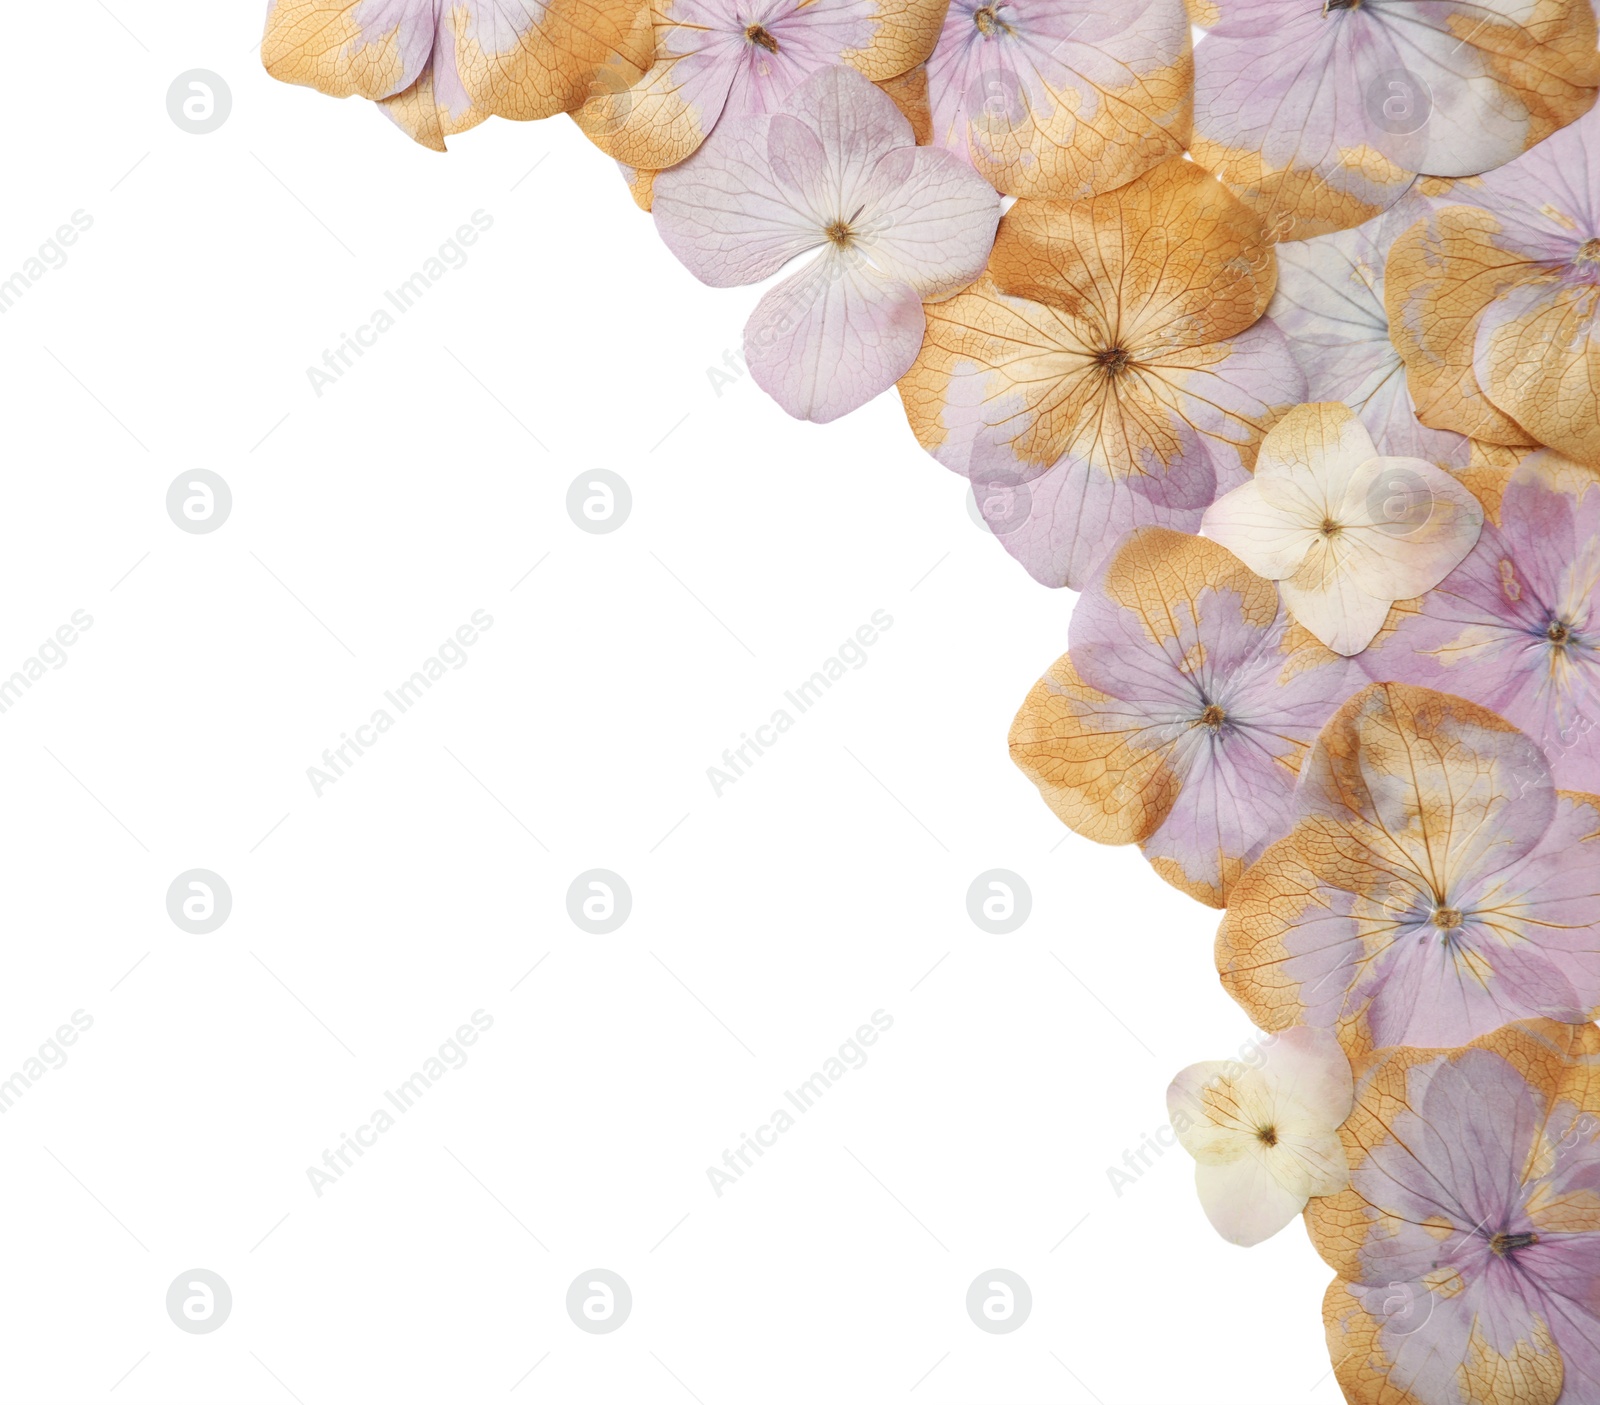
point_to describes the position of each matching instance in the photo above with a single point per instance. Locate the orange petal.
(1170, 259)
(1093, 771)
(1442, 274)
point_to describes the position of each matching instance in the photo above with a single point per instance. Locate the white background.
(828, 883)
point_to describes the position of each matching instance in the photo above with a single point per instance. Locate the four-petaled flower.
(1265, 1139)
(1111, 371)
(1343, 531)
(1179, 715)
(835, 169)
(1467, 1246)
(1434, 887)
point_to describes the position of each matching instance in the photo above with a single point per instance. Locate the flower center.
(1113, 360)
(1588, 252)
(1558, 632)
(756, 35)
(840, 233)
(1268, 1136)
(1329, 529)
(1213, 717)
(1330, 5)
(987, 18)
(1447, 919)
(1503, 1243)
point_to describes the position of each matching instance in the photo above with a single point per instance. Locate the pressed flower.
(1329, 302)
(1435, 884)
(1063, 98)
(438, 70)
(717, 59)
(1265, 1139)
(1344, 531)
(1321, 114)
(836, 169)
(1467, 1245)
(1110, 371)
(1179, 715)
(1516, 626)
(1494, 301)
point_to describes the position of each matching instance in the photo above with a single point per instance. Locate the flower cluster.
(1282, 346)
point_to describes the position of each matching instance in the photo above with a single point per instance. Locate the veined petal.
(828, 339)
(1270, 533)
(1434, 887)
(442, 71)
(1054, 99)
(527, 59)
(1516, 627)
(1320, 118)
(933, 224)
(1104, 766)
(1272, 522)
(1326, 596)
(1180, 714)
(1468, 1243)
(1169, 260)
(1329, 301)
(1005, 392)
(1537, 354)
(1247, 1203)
(1265, 1137)
(663, 117)
(725, 213)
(1442, 274)
(1436, 782)
(345, 48)
(1404, 526)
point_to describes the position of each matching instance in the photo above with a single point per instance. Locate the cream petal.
(1270, 532)
(1305, 1068)
(1405, 526)
(1325, 597)
(1246, 1202)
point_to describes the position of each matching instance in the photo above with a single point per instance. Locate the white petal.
(1308, 1076)
(1244, 1201)
(1218, 1108)
(1325, 597)
(1409, 525)
(1269, 533)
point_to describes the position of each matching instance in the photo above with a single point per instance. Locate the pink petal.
(827, 340)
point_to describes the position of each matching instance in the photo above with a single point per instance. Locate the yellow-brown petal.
(1442, 274)
(1543, 371)
(910, 93)
(1104, 784)
(319, 43)
(1170, 259)
(553, 66)
(903, 35)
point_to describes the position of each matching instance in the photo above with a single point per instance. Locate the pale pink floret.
(837, 169)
